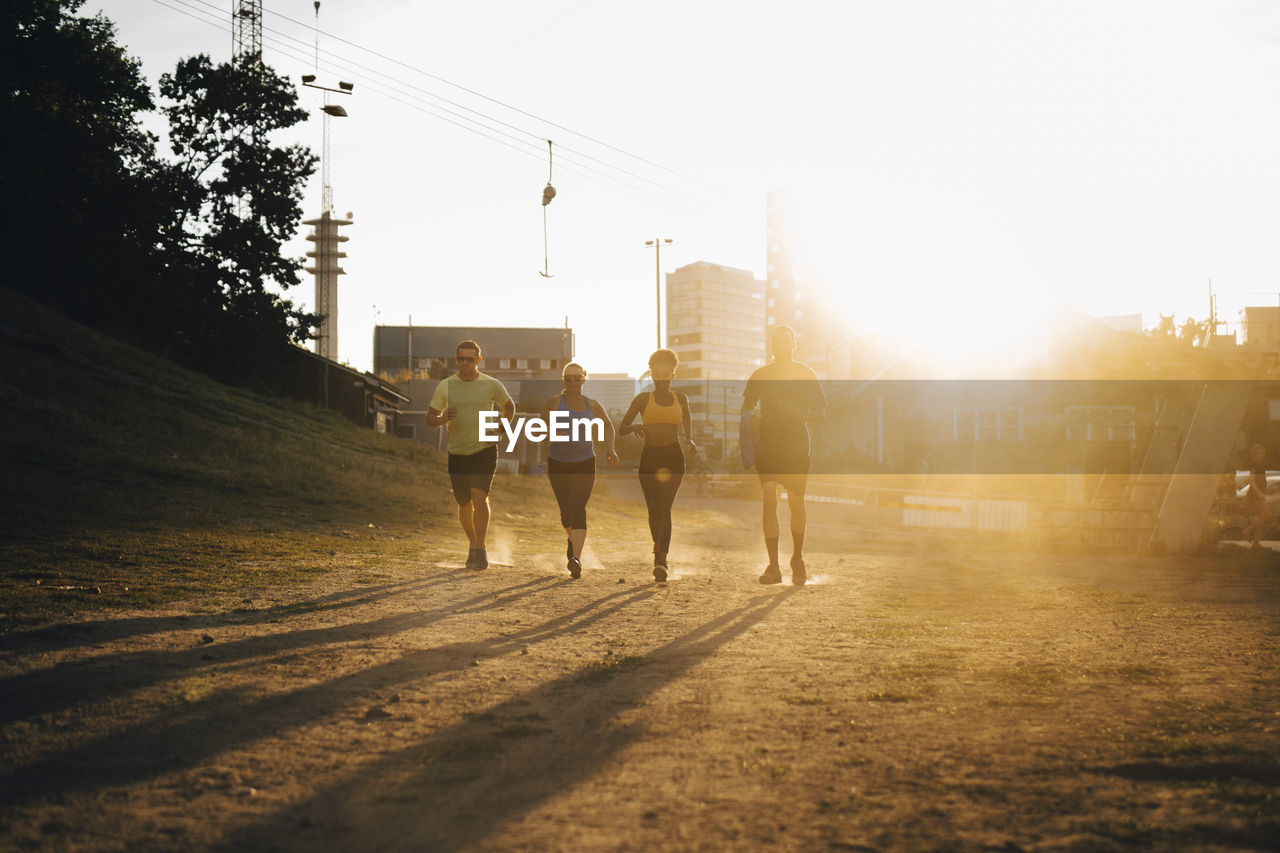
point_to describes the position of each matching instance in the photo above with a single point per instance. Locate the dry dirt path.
(915, 695)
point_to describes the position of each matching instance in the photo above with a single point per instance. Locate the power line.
(294, 53)
(492, 100)
(539, 137)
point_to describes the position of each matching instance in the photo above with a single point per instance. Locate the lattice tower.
(246, 31)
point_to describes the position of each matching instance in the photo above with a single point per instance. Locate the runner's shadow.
(38, 692)
(64, 635)
(231, 719)
(463, 783)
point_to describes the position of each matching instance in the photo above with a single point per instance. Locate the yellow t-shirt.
(482, 394)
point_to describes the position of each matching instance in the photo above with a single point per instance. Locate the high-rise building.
(795, 292)
(715, 323)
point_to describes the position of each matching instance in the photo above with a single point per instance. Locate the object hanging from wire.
(548, 193)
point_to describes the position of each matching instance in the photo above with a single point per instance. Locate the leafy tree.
(177, 253)
(73, 159)
(237, 199)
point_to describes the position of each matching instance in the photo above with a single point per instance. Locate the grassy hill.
(128, 480)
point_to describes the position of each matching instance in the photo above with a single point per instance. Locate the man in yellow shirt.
(457, 404)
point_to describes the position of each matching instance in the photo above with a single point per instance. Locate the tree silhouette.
(182, 254)
(236, 200)
(75, 159)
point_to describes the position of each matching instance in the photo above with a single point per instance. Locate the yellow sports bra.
(657, 414)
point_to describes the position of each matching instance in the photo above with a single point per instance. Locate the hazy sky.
(966, 162)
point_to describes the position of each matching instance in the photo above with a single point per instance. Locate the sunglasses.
(461, 359)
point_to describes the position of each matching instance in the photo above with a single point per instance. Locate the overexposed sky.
(976, 162)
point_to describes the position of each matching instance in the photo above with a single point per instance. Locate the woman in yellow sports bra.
(662, 412)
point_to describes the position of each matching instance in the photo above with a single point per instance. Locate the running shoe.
(575, 567)
(798, 576)
(771, 575)
(471, 558)
(660, 572)
(482, 559)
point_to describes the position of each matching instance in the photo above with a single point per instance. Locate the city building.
(795, 291)
(1260, 327)
(716, 324)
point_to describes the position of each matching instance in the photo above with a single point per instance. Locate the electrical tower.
(246, 31)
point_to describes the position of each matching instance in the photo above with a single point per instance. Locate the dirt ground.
(918, 693)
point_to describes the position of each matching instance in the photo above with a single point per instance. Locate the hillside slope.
(128, 479)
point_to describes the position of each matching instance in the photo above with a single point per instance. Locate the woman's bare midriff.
(660, 435)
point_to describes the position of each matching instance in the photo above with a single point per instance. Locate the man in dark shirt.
(789, 395)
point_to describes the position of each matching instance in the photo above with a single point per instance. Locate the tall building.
(795, 292)
(1260, 327)
(716, 324)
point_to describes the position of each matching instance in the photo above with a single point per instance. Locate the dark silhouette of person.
(789, 396)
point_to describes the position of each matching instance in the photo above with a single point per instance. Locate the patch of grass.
(1030, 677)
(129, 474)
(1138, 673)
(193, 690)
(892, 696)
(924, 669)
(607, 667)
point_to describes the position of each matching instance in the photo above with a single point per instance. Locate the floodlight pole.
(327, 238)
(656, 243)
(326, 190)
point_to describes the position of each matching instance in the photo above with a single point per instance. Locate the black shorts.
(772, 463)
(472, 472)
(655, 457)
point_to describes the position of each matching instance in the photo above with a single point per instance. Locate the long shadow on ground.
(65, 635)
(45, 691)
(459, 787)
(233, 719)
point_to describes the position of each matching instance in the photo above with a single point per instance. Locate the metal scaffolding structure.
(246, 31)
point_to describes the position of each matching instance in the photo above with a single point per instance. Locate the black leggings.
(661, 472)
(572, 483)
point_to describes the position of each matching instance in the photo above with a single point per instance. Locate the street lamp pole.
(327, 238)
(656, 243)
(344, 88)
